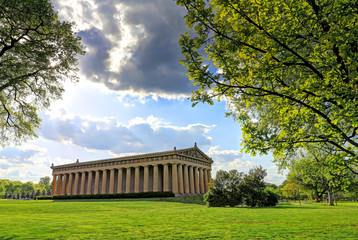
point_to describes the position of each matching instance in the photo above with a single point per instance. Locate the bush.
(224, 190)
(109, 196)
(270, 199)
(232, 188)
(44, 197)
(215, 199)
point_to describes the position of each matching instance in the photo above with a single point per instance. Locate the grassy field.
(170, 219)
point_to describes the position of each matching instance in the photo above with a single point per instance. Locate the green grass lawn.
(170, 219)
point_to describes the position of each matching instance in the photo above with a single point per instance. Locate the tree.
(45, 181)
(233, 187)
(253, 187)
(37, 54)
(224, 189)
(316, 170)
(28, 187)
(287, 68)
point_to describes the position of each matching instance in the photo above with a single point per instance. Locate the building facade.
(184, 172)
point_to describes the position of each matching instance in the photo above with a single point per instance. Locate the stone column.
(54, 182)
(111, 182)
(166, 177)
(202, 190)
(89, 183)
(180, 179)
(104, 182)
(155, 178)
(197, 186)
(186, 179)
(146, 179)
(128, 180)
(206, 181)
(120, 182)
(191, 179)
(75, 187)
(136, 180)
(70, 183)
(59, 184)
(175, 178)
(83, 180)
(64, 182)
(96, 182)
(209, 176)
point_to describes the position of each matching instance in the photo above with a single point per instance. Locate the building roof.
(193, 152)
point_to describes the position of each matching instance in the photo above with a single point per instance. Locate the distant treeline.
(20, 190)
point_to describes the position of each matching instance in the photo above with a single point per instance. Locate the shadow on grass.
(187, 200)
(303, 206)
(198, 200)
(8, 238)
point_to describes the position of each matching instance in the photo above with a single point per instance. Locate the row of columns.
(181, 179)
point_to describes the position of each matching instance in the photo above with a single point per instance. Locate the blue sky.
(131, 98)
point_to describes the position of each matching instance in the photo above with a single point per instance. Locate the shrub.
(224, 190)
(270, 199)
(215, 199)
(232, 188)
(44, 197)
(253, 187)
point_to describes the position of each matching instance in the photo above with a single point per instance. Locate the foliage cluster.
(306, 182)
(110, 196)
(288, 70)
(38, 53)
(311, 172)
(17, 189)
(234, 188)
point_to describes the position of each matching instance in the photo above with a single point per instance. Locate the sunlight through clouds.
(132, 96)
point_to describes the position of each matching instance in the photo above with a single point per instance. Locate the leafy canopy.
(37, 54)
(287, 68)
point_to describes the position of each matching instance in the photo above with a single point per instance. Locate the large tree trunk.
(317, 198)
(330, 196)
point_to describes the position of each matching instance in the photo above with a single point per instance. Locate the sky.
(132, 96)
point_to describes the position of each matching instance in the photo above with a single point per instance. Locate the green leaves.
(291, 66)
(37, 54)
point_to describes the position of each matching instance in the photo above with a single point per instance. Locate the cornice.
(141, 158)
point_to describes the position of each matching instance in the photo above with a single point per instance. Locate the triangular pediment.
(196, 153)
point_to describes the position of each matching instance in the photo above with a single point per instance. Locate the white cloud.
(214, 151)
(138, 135)
(239, 164)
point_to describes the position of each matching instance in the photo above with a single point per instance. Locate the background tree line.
(18, 190)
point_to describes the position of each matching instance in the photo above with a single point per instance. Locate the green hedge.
(108, 196)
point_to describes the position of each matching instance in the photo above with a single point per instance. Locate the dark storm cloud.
(157, 56)
(153, 65)
(93, 63)
(109, 135)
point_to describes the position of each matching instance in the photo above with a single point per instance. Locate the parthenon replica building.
(183, 172)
